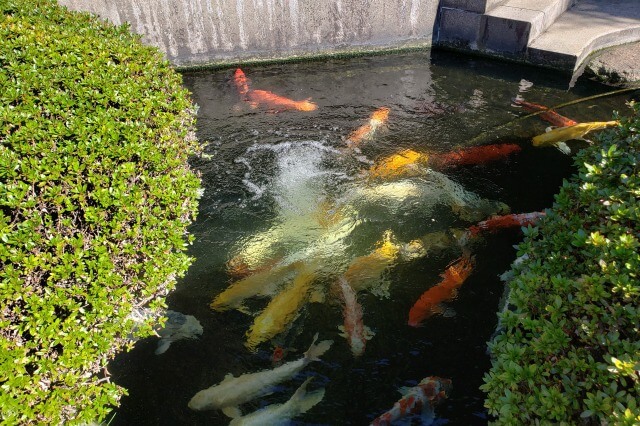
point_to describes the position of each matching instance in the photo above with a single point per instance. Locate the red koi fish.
(366, 131)
(549, 115)
(241, 82)
(474, 155)
(258, 98)
(497, 223)
(431, 300)
(421, 399)
(353, 330)
(278, 354)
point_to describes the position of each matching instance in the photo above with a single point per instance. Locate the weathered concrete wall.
(193, 32)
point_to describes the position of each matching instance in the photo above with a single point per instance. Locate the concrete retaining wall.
(197, 32)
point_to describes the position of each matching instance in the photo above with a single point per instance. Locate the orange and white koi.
(473, 155)
(353, 329)
(548, 115)
(270, 100)
(431, 300)
(241, 82)
(421, 399)
(497, 223)
(367, 131)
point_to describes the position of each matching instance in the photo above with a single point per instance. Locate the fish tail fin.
(316, 350)
(303, 400)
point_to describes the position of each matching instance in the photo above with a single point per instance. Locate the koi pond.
(334, 215)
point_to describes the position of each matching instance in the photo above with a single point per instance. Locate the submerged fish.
(353, 329)
(418, 400)
(263, 283)
(474, 155)
(281, 414)
(548, 115)
(270, 100)
(241, 82)
(283, 309)
(367, 131)
(178, 326)
(576, 131)
(233, 391)
(433, 241)
(431, 300)
(365, 272)
(497, 223)
(407, 163)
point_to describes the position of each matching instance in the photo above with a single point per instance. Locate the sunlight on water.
(349, 216)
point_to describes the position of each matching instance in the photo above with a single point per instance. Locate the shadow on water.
(270, 171)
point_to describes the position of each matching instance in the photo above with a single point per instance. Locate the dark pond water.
(270, 175)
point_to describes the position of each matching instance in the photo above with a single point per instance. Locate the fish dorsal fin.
(227, 377)
(404, 390)
(232, 412)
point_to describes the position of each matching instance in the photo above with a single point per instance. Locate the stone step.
(503, 27)
(589, 26)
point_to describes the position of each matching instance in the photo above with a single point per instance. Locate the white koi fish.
(233, 391)
(281, 414)
(353, 329)
(177, 327)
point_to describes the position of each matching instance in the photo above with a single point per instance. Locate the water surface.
(269, 175)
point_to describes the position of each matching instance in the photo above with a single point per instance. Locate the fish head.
(381, 114)
(306, 105)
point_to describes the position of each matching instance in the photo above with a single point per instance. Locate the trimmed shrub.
(569, 352)
(95, 197)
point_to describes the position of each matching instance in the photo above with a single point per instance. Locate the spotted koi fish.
(431, 300)
(418, 400)
(353, 329)
(241, 82)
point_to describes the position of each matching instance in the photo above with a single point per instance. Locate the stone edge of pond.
(364, 51)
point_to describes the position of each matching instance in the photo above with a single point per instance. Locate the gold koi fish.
(576, 131)
(365, 272)
(407, 163)
(283, 309)
(262, 283)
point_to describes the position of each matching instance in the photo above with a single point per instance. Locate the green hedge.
(569, 352)
(95, 198)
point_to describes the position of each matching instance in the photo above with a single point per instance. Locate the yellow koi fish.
(262, 283)
(576, 131)
(407, 163)
(283, 309)
(365, 272)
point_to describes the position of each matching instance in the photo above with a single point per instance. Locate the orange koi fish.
(241, 82)
(474, 155)
(366, 131)
(497, 223)
(278, 354)
(549, 115)
(431, 300)
(354, 329)
(279, 103)
(421, 399)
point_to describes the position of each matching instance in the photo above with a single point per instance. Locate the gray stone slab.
(459, 28)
